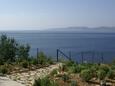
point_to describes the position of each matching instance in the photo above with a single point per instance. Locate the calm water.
(74, 42)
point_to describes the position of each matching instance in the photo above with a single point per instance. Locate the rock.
(108, 84)
(103, 83)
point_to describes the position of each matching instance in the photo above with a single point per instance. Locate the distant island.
(84, 29)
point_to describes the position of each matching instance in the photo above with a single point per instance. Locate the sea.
(87, 47)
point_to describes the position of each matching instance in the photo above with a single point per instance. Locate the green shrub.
(86, 75)
(101, 74)
(73, 83)
(73, 69)
(111, 74)
(42, 58)
(80, 68)
(113, 67)
(54, 72)
(105, 68)
(65, 77)
(70, 63)
(24, 64)
(37, 82)
(44, 82)
(49, 61)
(34, 61)
(3, 69)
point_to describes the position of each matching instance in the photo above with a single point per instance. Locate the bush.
(37, 82)
(82, 67)
(111, 74)
(44, 82)
(34, 61)
(105, 68)
(86, 75)
(49, 61)
(113, 67)
(70, 63)
(3, 69)
(73, 83)
(101, 74)
(73, 69)
(42, 58)
(24, 64)
(65, 77)
(54, 72)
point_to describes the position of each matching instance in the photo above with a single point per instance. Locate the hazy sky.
(56, 13)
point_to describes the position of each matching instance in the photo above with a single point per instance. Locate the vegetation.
(65, 77)
(3, 69)
(86, 75)
(111, 74)
(44, 82)
(101, 74)
(73, 83)
(54, 72)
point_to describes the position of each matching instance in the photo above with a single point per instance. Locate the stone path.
(4, 81)
(27, 78)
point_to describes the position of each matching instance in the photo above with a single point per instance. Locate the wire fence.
(79, 56)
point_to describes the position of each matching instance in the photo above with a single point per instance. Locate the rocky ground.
(4, 81)
(27, 78)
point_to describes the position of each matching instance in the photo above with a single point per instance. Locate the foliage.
(73, 69)
(8, 48)
(54, 72)
(101, 74)
(44, 82)
(65, 77)
(86, 75)
(73, 83)
(111, 74)
(33, 61)
(23, 51)
(42, 59)
(24, 64)
(113, 67)
(3, 69)
(49, 60)
(105, 68)
(70, 63)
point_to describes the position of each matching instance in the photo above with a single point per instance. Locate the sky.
(44, 14)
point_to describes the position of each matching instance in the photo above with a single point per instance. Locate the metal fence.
(80, 56)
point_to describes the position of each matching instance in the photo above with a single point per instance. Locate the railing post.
(102, 59)
(57, 55)
(37, 52)
(70, 55)
(93, 57)
(82, 57)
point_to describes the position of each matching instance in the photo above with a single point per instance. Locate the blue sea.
(92, 44)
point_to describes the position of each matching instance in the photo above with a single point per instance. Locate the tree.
(23, 51)
(8, 48)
